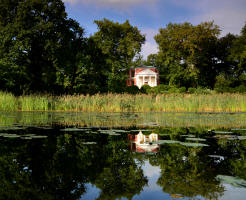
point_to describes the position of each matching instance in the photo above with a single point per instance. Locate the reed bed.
(125, 103)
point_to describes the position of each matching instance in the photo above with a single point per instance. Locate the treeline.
(196, 57)
(43, 51)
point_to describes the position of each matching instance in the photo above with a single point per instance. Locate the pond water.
(122, 156)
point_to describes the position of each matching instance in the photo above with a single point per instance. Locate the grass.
(125, 103)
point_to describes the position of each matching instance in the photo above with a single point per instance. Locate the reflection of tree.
(58, 167)
(184, 171)
(46, 169)
(235, 153)
(121, 176)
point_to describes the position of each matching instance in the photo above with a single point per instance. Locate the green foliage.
(160, 89)
(238, 53)
(132, 89)
(166, 89)
(241, 89)
(226, 85)
(120, 43)
(34, 42)
(199, 91)
(182, 90)
(231, 53)
(184, 171)
(222, 84)
(187, 53)
(145, 89)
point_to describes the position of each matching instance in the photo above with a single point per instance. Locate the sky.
(151, 15)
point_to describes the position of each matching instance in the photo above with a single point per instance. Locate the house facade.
(143, 75)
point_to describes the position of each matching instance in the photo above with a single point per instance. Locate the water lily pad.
(230, 137)
(241, 137)
(119, 131)
(223, 132)
(105, 131)
(88, 143)
(39, 136)
(189, 136)
(45, 128)
(94, 132)
(3, 134)
(196, 139)
(26, 138)
(72, 129)
(108, 132)
(11, 136)
(235, 181)
(188, 144)
(140, 130)
(114, 134)
(11, 128)
(166, 142)
(28, 135)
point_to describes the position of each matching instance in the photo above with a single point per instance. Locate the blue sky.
(150, 15)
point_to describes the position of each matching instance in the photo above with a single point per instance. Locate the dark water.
(74, 161)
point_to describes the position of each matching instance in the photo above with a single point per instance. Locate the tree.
(232, 62)
(121, 177)
(238, 55)
(120, 43)
(85, 71)
(187, 52)
(36, 38)
(184, 171)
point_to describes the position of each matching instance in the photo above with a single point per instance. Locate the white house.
(143, 75)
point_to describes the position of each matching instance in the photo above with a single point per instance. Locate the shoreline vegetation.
(226, 102)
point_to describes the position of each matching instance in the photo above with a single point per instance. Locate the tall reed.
(125, 103)
(8, 102)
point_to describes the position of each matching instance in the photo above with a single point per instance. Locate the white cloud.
(150, 46)
(120, 4)
(229, 19)
(230, 15)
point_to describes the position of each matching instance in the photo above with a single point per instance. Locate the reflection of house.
(144, 143)
(143, 75)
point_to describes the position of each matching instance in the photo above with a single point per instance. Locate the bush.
(240, 89)
(182, 90)
(132, 89)
(191, 90)
(163, 88)
(173, 90)
(146, 89)
(160, 89)
(222, 84)
(199, 91)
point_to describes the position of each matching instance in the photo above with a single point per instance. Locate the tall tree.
(34, 37)
(120, 43)
(188, 53)
(238, 55)
(232, 62)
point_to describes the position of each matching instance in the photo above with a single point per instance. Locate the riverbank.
(125, 103)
